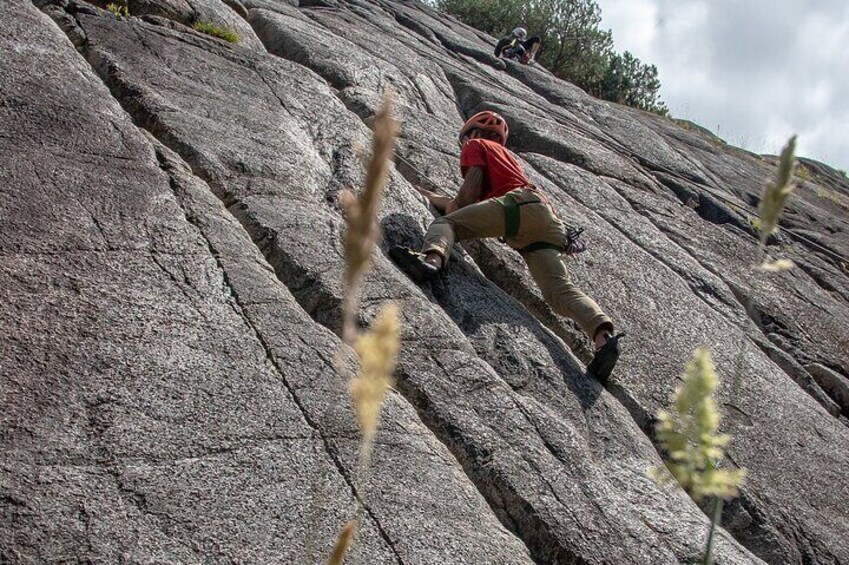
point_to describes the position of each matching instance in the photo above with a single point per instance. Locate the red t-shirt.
(501, 172)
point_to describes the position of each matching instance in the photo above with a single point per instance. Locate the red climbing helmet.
(487, 121)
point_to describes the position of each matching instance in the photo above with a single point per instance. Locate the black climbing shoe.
(413, 263)
(605, 359)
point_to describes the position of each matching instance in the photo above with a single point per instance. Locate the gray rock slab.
(584, 133)
(225, 14)
(142, 418)
(833, 383)
(512, 442)
(737, 177)
(758, 395)
(790, 303)
(427, 508)
(147, 439)
(316, 37)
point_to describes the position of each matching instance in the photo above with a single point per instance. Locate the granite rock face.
(173, 383)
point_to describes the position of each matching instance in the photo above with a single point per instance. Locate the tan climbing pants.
(537, 224)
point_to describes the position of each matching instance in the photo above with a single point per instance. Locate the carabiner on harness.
(574, 243)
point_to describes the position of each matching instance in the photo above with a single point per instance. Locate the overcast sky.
(752, 71)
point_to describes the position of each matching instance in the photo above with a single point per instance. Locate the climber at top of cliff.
(496, 199)
(517, 45)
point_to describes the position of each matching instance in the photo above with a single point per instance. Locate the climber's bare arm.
(439, 201)
(470, 192)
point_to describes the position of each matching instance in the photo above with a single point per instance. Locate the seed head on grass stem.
(363, 230)
(689, 435)
(377, 349)
(772, 203)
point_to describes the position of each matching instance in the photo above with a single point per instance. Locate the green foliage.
(574, 48)
(628, 81)
(802, 172)
(689, 435)
(119, 9)
(220, 32)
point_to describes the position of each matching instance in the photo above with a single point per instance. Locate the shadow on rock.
(522, 351)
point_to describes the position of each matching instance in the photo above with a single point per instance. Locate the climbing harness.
(511, 216)
(574, 244)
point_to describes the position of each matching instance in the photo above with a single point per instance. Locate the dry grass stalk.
(775, 266)
(378, 348)
(346, 537)
(377, 351)
(363, 230)
(776, 192)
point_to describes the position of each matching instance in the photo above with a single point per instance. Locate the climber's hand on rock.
(439, 201)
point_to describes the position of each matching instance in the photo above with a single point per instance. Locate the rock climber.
(496, 199)
(516, 45)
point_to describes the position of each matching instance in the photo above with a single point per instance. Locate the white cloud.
(638, 21)
(754, 71)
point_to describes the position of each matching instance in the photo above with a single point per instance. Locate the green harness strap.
(511, 216)
(540, 245)
(511, 225)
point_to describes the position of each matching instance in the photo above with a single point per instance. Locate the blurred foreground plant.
(770, 209)
(376, 349)
(689, 431)
(772, 205)
(363, 230)
(689, 435)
